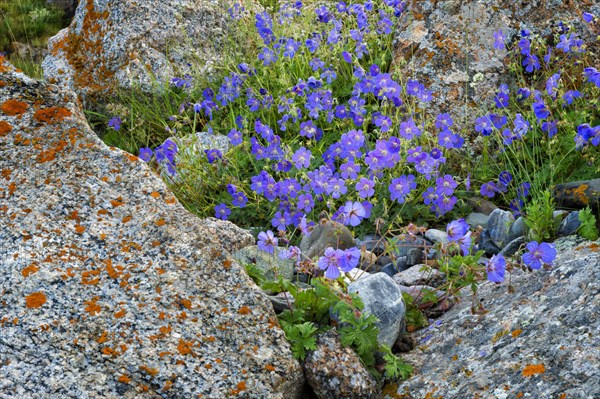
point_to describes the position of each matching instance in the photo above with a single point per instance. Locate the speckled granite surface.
(108, 287)
(542, 341)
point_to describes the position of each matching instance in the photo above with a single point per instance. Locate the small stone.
(281, 301)
(481, 205)
(374, 244)
(477, 219)
(512, 247)
(487, 244)
(326, 234)
(420, 275)
(383, 260)
(336, 372)
(499, 226)
(389, 269)
(401, 245)
(401, 263)
(382, 298)
(569, 225)
(517, 229)
(368, 261)
(414, 256)
(435, 235)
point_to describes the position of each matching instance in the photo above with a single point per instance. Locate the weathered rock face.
(448, 45)
(108, 286)
(540, 342)
(114, 43)
(578, 194)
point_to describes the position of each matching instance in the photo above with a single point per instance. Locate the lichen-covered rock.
(326, 234)
(335, 372)
(540, 341)
(420, 275)
(382, 298)
(122, 43)
(108, 286)
(578, 194)
(448, 45)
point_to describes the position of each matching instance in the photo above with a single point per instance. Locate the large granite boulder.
(540, 341)
(109, 288)
(121, 43)
(448, 45)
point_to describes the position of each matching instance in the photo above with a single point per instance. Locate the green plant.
(588, 228)
(539, 218)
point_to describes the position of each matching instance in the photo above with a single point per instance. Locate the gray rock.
(368, 261)
(420, 275)
(481, 205)
(559, 216)
(541, 339)
(335, 372)
(435, 235)
(477, 219)
(435, 37)
(487, 244)
(271, 264)
(517, 229)
(499, 226)
(326, 234)
(414, 256)
(403, 244)
(382, 298)
(384, 260)
(512, 247)
(401, 263)
(374, 244)
(282, 301)
(389, 269)
(112, 288)
(569, 225)
(120, 44)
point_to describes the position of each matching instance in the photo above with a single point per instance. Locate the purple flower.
(499, 40)
(145, 154)
(531, 63)
(443, 121)
(505, 178)
(484, 125)
(332, 261)
(495, 268)
(540, 110)
(301, 158)
(502, 97)
(347, 57)
(235, 137)
(521, 126)
(445, 185)
(267, 241)
(588, 17)
(115, 123)
(365, 188)
(349, 170)
(293, 252)
(401, 187)
(239, 199)
(305, 202)
(488, 189)
(213, 155)
(222, 212)
(409, 130)
(538, 254)
(267, 56)
(354, 212)
(281, 220)
(570, 96)
(457, 229)
(552, 85)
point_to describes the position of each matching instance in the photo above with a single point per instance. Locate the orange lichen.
(116, 203)
(79, 229)
(244, 310)
(149, 370)
(580, 195)
(516, 333)
(153, 194)
(87, 277)
(186, 303)
(92, 307)
(120, 313)
(185, 347)
(124, 379)
(51, 115)
(160, 222)
(35, 300)
(270, 367)
(532, 369)
(110, 270)
(14, 107)
(226, 264)
(126, 219)
(29, 270)
(5, 128)
(109, 352)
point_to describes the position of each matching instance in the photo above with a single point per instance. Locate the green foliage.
(301, 336)
(539, 218)
(28, 21)
(415, 319)
(588, 228)
(395, 367)
(255, 273)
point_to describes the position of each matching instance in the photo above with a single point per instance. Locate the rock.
(477, 219)
(420, 275)
(281, 301)
(414, 256)
(434, 38)
(326, 234)
(541, 339)
(517, 229)
(110, 288)
(335, 372)
(513, 247)
(114, 44)
(430, 309)
(389, 269)
(578, 194)
(404, 344)
(569, 225)
(487, 244)
(499, 226)
(374, 244)
(382, 298)
(355, 274)
(270, 264)
(383, 260)
(403, 244)
(401, 263)
(435, 235)
(368, 262)
(481, 205)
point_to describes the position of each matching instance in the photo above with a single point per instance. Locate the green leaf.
(588, 228)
